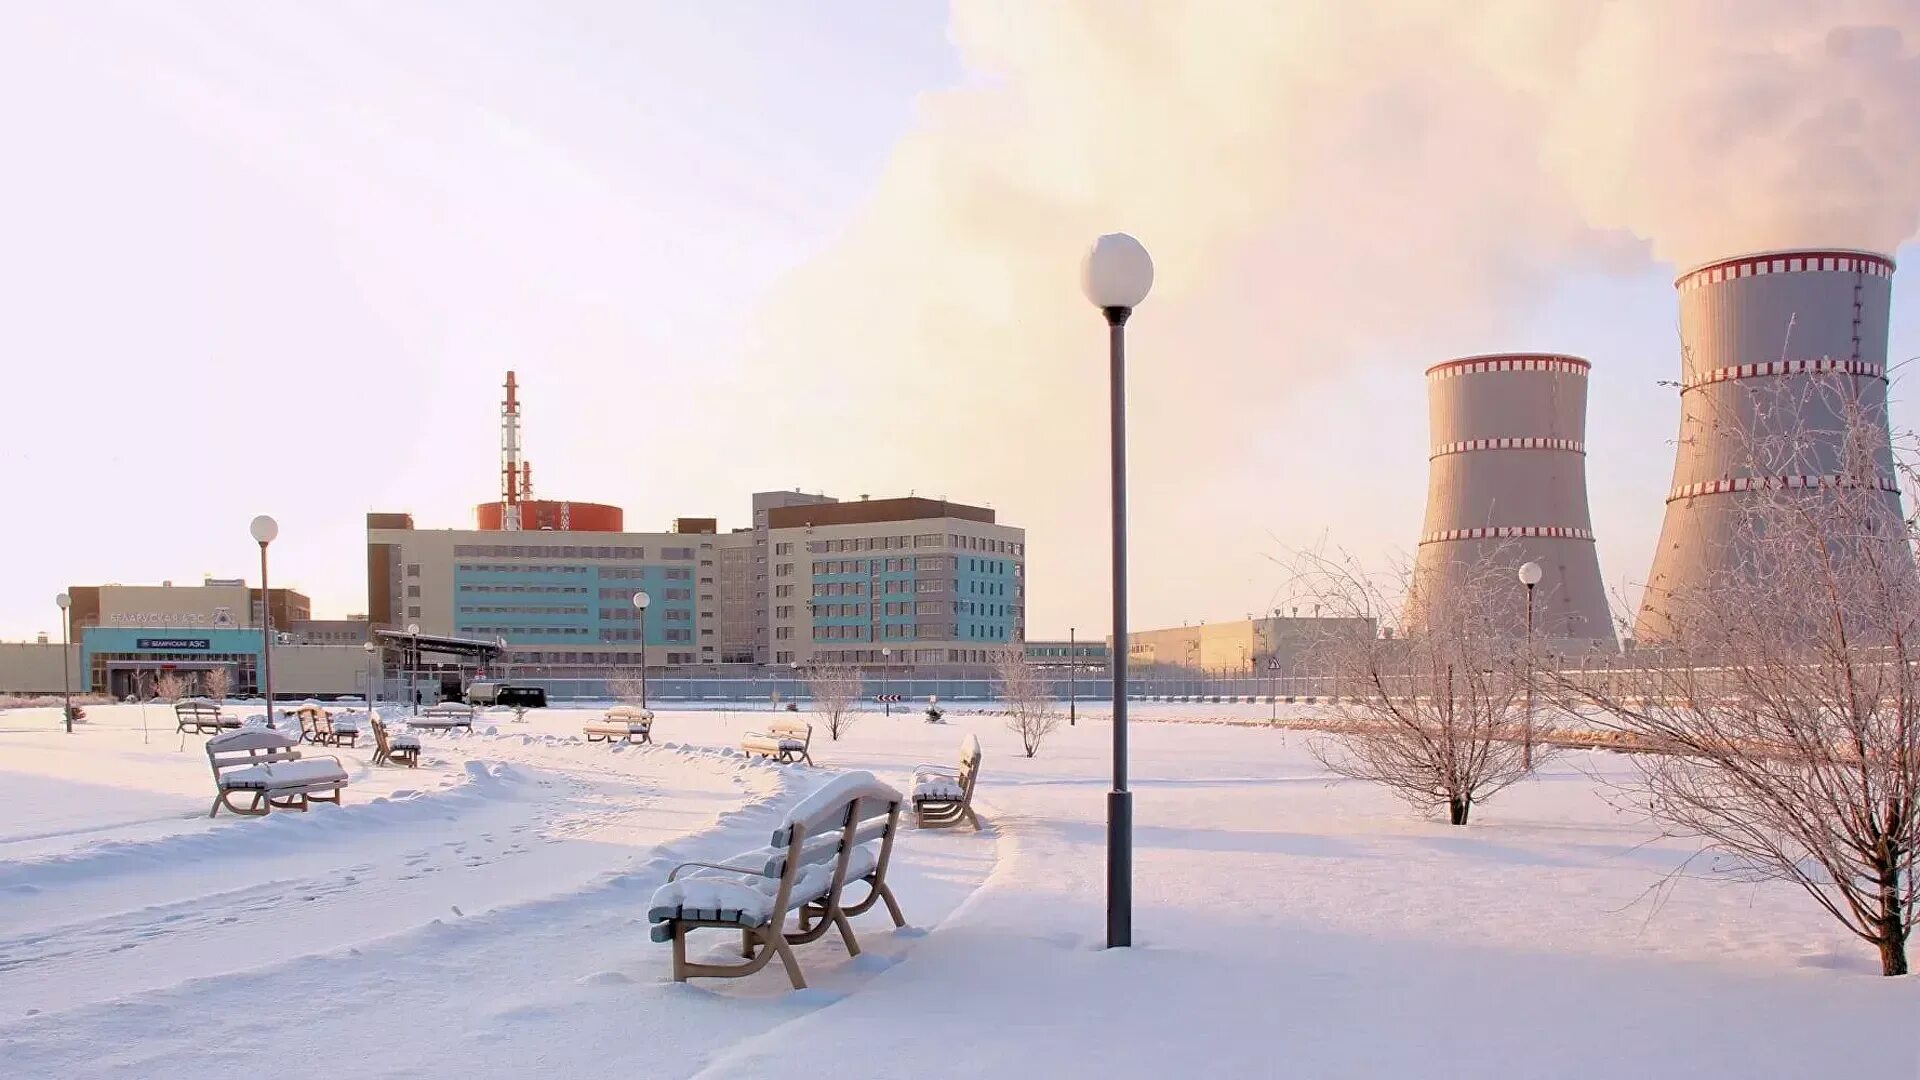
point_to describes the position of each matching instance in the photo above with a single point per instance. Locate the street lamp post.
(1073, 681)
(264, 529)
(1116, 276)
(640, 602)
(372, 676)
(886, 677)
(413, 666)
(65, 604)
(1530, 575)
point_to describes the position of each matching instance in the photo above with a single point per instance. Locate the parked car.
(494, 693)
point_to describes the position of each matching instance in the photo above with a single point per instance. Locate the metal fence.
(772, 692)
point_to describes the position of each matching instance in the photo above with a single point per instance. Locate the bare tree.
(1435, 712)
(170, 686)
(1030, 711)
(835, 688)
(219, 683)
(626, 686)
(1785, 686)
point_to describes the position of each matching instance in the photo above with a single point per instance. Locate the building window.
(413, 569)
(413, 613)
(783, 549)
(676, 553)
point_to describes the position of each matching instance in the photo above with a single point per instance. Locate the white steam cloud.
(1319, 183)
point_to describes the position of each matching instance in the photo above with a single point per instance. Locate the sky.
(276, 258)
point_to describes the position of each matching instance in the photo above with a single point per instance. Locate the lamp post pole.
(1530, 575)
(640, 602)
(413, 665)
(373, 695)
(65, 604)
(1073, 681)
(263, 530)
(1116, 277)
(886, 679)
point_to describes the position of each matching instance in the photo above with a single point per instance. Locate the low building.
(1062, 653)
(34, 668)
(1240, 647)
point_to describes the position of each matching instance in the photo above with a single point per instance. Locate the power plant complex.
(1781, 353)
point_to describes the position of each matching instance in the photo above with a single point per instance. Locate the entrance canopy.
(434, 643)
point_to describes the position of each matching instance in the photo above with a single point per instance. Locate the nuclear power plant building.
(1507, 485)
(1776, 349)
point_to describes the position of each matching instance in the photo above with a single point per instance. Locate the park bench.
(943, 795)
(266, 766)
(785, 741)
(621, 722)
(389, 749)
(321, 728)
(826, 841)
(447, 714)
(202, 718)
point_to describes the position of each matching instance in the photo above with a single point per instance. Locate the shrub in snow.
(835, 687)
(1030, 711)
(1437, 713)
(1784, 693)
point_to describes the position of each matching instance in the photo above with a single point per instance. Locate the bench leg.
(679, 954)
(893, 906)
(746, 944)
(792, 965)
(846, 931)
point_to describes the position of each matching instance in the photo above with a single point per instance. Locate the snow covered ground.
(485, 916)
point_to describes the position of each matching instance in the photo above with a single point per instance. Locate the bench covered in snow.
(447, 714)
(943, 795)
(265, 765)
(785, 741)
(831, 838)
(389, 749)
(322, 728)
(621, 722)
(202, 718)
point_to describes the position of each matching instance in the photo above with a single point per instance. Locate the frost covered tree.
(835, 689)
(219, 683)
(170, 686)
(1783, 694)
(1030, 711)
(1435, 713)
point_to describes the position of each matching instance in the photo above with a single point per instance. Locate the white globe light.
(641, 600)
(264, 529)
(1117, 272)
(1530, 574)
(413, 628)
(63, 601)
(369, 646)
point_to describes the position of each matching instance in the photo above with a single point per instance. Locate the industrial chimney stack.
(1507, 480)
(1771, 345)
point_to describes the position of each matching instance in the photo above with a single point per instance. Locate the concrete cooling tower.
(1770, 344)
(1507, 484)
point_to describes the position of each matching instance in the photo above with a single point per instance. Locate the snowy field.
(484, 916)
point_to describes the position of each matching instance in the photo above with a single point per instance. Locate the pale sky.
(273, 257)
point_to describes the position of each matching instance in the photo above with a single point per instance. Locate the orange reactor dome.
(537, 514)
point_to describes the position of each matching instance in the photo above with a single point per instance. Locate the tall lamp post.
(886, 677)
(1116, 276)
(1530, 575)
(264, 529)
(373, 695)
(640, 602)
(413, 666)
(65, 604)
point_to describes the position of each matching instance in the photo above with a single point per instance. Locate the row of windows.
(671, 573)
(899, 631)
(988, 566)
(972, 607)
(519, 609)
(626, 595)
(526, 631)
(987, 588)
(880, 566)
(915, 656)
(564, 589)
(562, 551)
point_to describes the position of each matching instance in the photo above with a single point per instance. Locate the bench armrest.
(675, 873)
(941, 770)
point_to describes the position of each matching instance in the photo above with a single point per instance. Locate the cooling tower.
(1770, 344)
(1507, 485)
